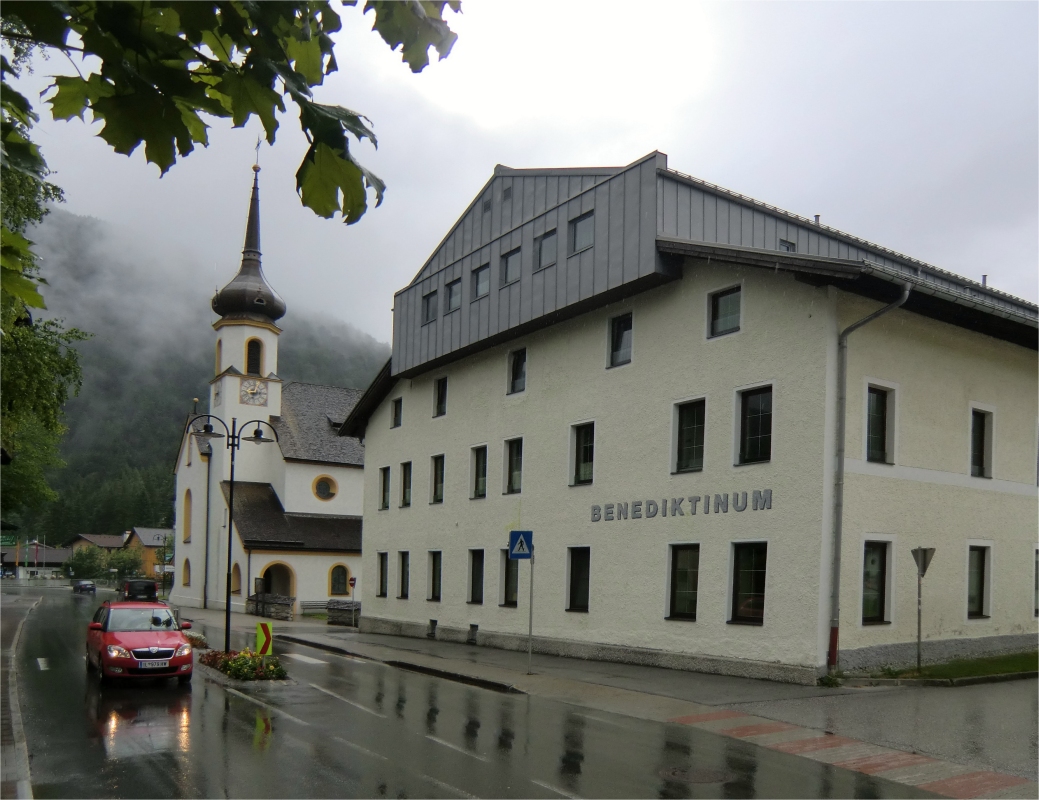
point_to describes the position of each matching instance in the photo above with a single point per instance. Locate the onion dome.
(248, 295)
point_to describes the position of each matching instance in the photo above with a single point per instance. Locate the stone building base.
(690, 662)
(903, 654)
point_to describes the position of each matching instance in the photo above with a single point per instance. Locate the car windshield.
(141, 619)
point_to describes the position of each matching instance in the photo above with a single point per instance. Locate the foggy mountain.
(151, 353)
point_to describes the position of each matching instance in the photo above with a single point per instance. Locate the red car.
(138, 640)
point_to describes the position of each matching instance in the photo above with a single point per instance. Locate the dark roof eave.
(756, 257)
(357, 421)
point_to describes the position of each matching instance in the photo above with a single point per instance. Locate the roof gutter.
(838, 480)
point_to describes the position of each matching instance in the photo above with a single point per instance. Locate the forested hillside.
(151, 353)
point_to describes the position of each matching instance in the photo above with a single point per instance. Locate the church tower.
(246, 385)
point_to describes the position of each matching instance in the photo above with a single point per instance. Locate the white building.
(643, 369)
(297, 501)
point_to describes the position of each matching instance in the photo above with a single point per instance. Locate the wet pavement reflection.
(352, 728)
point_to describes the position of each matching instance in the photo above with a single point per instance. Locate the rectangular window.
(487, 205)
(756, 425)
(398, 412)
(546, 250)
(620, 340)
(405, 575)
(582, 232)
(438, 480)
(518, 371)
(384, 574)
(429, 307)
(510, 267)
(976, 589)
(476, 576)
(481, 281)
(479, 472)
(514, 475)
(509, 580)
(980, 444)
(787, 247)
(506, 194)
(689, 447)
(874, 582)
(584, 452)
(453, 296)
(405, 484)
(580, 564)
(384, 487)
(748, 583)
(440, 399)
(685, 570)
(725, 312)
(877, 426)
(436, 562)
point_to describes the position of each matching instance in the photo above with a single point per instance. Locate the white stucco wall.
(298, 493)
(782, 341)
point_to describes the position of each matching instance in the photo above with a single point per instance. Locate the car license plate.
(154, 664)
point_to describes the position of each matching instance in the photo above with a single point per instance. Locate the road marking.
(275, 709)
(346, 700)
(456, 747)
(360, 749)
(552, 788)
(44, 666)
(600, 719)
(449, 787)
(304, 659)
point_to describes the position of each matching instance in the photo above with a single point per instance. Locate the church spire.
(248, 295)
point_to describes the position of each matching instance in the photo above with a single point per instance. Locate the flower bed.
(244, 665)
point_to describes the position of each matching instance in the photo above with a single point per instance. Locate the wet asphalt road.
(352, 728)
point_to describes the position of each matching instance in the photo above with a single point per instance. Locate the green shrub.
(244, 665)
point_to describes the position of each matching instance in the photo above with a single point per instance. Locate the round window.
(325, 488)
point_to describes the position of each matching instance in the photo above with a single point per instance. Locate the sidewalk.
(974, 741)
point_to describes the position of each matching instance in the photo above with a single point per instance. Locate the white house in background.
(642, 369)
(297, 502)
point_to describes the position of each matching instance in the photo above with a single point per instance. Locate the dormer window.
(254, 357)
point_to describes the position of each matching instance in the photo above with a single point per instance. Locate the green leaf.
(324, 173)
(414, 26)
(307, 59)
(248, 97)
(74, 95)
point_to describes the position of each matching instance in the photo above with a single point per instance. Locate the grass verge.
(970, 667)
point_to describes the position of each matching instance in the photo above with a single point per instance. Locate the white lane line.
(346, 700)
(600, 719)
(303, 658)
(44, 666)
(360, 749)
(450, 788)
(268, 706)
(456, 747)
(552, 788)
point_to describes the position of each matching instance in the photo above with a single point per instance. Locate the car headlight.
(115, 651)
(183, 650)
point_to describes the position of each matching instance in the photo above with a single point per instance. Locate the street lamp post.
(234, 441)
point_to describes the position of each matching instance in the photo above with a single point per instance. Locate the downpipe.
(838, 480)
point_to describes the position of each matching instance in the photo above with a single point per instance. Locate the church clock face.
(253, 392)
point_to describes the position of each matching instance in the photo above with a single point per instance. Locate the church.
(296, 526)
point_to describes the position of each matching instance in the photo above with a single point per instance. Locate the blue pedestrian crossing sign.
(521, 544)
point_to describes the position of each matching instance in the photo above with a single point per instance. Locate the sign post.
(922, 556)
(353, 610)
(521, 546)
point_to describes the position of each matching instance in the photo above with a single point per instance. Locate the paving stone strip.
(912, 769)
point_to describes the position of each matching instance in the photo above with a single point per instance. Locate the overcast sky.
(912, 125)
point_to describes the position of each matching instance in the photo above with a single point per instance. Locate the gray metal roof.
(311, 416)
(263, 524)
(152, 537)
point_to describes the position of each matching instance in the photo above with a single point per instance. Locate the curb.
(972, 680)
(216, 676)
(21, 750)
(458, 677)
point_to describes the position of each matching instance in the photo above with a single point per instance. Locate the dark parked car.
(84, 587)
(137, 589)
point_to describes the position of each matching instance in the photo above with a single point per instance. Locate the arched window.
(186, 576)
(236, 580)
(254, 357)
(187, 510)
(339, 583)
(219, 354)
